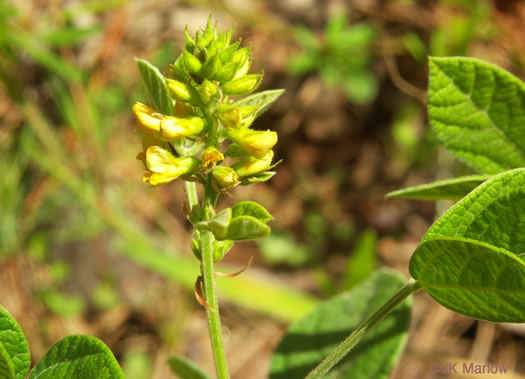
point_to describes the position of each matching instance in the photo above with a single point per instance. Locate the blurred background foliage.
(86, 247)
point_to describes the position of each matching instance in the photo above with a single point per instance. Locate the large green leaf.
(156, 87)
(14, 351)
(312, 338)
(251, 208)
(448, 189)
(472, 278)
(263, 100)
(478, 112)
(185, 368)
(245, 228)
(493, 213)
(80, 357)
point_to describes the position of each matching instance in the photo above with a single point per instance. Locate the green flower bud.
(242, 86)
(191, 62)
(210, 67)
(226, 72)
(226, 55)
(175, 128)
(252, 165)
(163, 167)
(224, 39)
(178, 70)
(224, 177)
(244, 59)
(210, 156)
(207, 91)
(182, 92)
(236, 151)
(190, 43)
(257, 142)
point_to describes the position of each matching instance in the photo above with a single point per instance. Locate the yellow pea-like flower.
(257, 142)
(252, 165)
(163, 167)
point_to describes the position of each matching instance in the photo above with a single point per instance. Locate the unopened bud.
(252, 165)
(227, 72)
(207, 91)
(174, 128)
(257, 142)
(191, 62)
(226, 55)
(190, 43)
(210, 67)
(225, 177)
(181, 92)
(210, 156)
(243, 85)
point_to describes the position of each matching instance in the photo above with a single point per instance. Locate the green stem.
(210, 295)
(367, 325)
(191, 194)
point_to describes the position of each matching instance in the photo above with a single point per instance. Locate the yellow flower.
(252, 165)
(257, 142)
(163, 167)
(166, 128)
(210, 156)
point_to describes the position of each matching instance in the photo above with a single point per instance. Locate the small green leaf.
(156, 87)
(362, 260)
(69, 36)
(185, 368)
(493, 213)
(245, 228)
(471, 278)
(78, 356)
(312, 338)
(14, 349)
(218, 224)
(262, 177)
(361, 88)
(251, 208)
(263, 100)
(478, 112)
(448, 189)
(221, 249)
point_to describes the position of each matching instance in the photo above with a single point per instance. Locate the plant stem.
(191, 193)
(367, 325)
(214, 320)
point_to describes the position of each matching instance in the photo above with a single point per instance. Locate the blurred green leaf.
(137, 365)
(13, 347)
(415, 46)
(303, 63)
(78, 356)
(185, 368)
(362, 260)
(68, 36)
(312, 338)
(156, 87)
(280, 248)
(448, 189)
(61, 304)
(306, 38)
(361, 88)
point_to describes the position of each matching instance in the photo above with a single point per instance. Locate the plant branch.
(367, 325)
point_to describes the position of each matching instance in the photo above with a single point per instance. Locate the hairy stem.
(367, 325)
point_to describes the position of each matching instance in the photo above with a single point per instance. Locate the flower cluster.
(205, 85)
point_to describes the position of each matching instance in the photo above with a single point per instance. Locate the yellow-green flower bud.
(244, 58)
(243, 85)
(225, 178)
(174, 128)
(226, 72)
(182, 92)
(252, 165)
(226, 55)
(210, 67)
(148, 120)
(257, 142)
(210, 156)
(191, 62)
(190, 43)
(207, 91)
(163, 167)
(231, 118)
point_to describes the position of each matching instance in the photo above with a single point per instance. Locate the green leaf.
(448, 189)
(185, 368)
(310, 339)
(362, 261)
(306, 38)
(218, 224)
(14, 349)
(69, 36)
(262, 177)
(156, 87)
(471, 278)
(493, 213)
(283, 248)
(7, 367)
(78, 356)
(251, 208)
(478, 112)
(263, 100)
(361, 88)
(245, 228)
